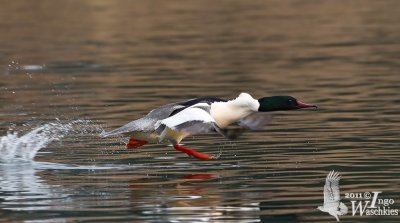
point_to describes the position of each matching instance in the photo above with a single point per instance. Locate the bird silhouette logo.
(332, 203)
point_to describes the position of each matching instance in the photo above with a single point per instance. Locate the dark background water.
(111, 61)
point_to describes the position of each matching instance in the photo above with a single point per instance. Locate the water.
(108, 62)
(26, 146)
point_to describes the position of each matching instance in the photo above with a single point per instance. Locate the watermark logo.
(332, 203)
(367, 203)
(370, 203)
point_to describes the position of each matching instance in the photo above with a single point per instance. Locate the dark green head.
(281, 103)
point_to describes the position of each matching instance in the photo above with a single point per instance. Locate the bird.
(332, 203)
(175, 121)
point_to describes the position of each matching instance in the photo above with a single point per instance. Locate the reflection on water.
(20, 182)
(112, 61)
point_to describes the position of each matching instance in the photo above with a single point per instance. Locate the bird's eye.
(291, 102)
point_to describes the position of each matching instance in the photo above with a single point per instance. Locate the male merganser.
(173, 122)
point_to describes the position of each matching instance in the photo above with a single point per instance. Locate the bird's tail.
(141, 124)
(110, 133)
(123, 129)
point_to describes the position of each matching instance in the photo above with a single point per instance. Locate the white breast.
(226, 113)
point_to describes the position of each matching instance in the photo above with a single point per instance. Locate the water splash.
(13, 146)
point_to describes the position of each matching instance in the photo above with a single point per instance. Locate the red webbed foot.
(135, 143)
(194, 153)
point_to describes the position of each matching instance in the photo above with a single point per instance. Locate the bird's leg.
(194, 153)
(135, 143)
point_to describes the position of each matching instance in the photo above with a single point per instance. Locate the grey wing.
(254, 121)
(197, 127)
(331, 188)
(232, 132)
(195, 119)
(147, 123)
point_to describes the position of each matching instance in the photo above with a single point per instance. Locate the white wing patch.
(196, 112)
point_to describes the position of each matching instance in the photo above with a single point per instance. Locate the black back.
(188, 103)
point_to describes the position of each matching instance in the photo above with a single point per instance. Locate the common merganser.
(173, 122)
